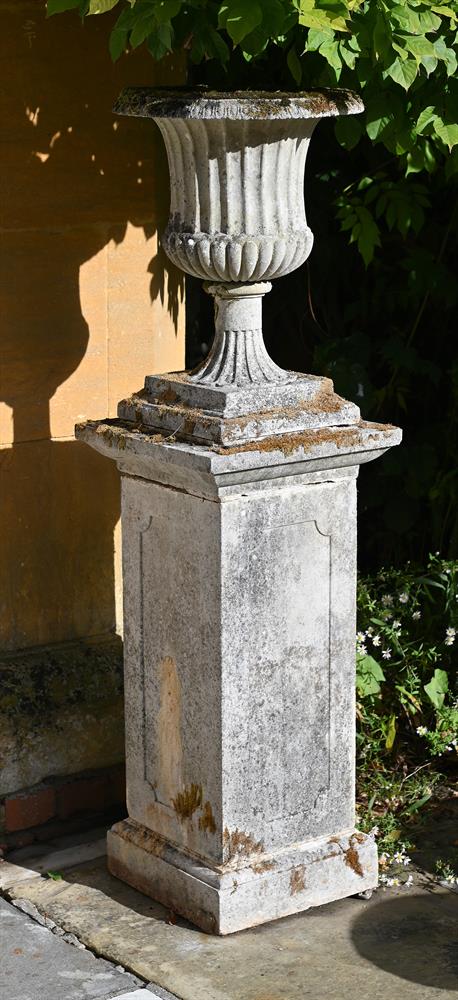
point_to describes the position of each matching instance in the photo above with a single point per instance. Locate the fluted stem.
(238, 355)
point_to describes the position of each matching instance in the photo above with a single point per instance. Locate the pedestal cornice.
(216, 470)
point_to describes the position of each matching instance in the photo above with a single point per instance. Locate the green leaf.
(330, 13)
(58, 6)
(391, 733)
(425, 118)
(330, 51)
(118, 42)
(393, 835)
(447, 55)
(101, 6)
(254, 43)
(415, 806)
(403, 72)
(160, 41)
(294, 65)
(239, 18)
(208, 43)
(166, 9)
(368, 675)
(316, 37)
(377, 124)
(275, 18)
(143, 27)
(349, 130)
(437, 688)
(417, 45)
(447, 131)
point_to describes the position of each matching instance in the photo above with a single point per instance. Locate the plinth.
(239, 617)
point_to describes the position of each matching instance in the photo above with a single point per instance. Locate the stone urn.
(237, 221)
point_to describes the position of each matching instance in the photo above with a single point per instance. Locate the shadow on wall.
(75, 180)
(413, 937)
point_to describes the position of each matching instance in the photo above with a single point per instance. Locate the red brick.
(29, 809)
(90, 793)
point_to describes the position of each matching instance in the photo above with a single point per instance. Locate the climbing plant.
(400, 55)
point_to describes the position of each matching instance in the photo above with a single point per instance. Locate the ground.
(402, 942)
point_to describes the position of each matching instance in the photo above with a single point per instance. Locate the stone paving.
(401, 943)
(37, 964)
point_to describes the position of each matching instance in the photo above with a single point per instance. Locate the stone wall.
(89, 305)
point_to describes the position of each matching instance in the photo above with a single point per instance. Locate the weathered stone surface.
(237, 394)
(245, 105)
(401, 943)
(216, 472)
(62, 711)
(240, 896)
(237, 218)
(36, 965)
(239, 660)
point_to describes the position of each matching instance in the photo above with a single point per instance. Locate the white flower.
(386, 654)
(376, 640)
(360, 636)
(416, 615)
(450, 636)
(387, 600)
(396, 625)
(403, 597)
(362, 649)
(408, 881)
(370, 630)
(422, 730)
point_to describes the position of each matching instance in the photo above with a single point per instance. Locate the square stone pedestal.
(239, 604)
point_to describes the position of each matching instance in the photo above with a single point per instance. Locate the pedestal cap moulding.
(239, 552)
(237, 221)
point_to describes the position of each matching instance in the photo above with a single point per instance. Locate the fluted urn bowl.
(237, 161)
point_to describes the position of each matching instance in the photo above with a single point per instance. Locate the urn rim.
(239, 105)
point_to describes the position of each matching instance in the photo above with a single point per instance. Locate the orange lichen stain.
(352, 856)
(297, 879)
(206, 821)
(187, 801)
(240, 845)
(170, 753)
(262, 866)
(167, 395)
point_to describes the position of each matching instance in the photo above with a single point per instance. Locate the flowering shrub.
(407, 705)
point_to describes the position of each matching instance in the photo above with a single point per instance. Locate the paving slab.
(37, 965)
(401, 943)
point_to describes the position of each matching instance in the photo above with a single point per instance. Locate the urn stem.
(238, 355)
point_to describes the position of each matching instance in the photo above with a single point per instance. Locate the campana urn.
(239, 551)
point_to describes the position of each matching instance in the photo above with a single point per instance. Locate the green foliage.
(401, 56)
(407, 691)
